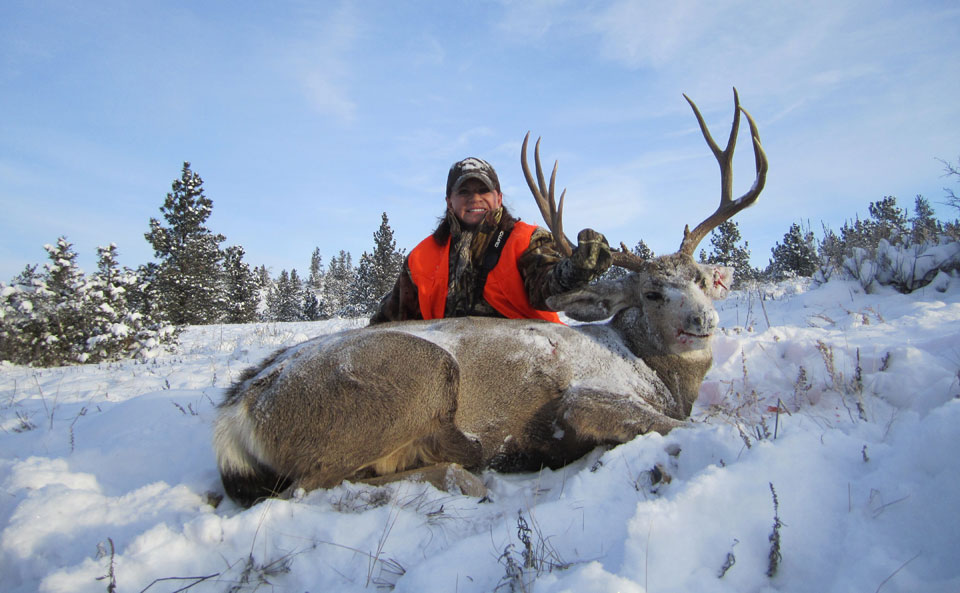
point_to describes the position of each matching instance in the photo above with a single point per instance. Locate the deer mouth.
(686, 336)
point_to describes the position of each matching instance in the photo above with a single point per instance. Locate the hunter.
(482, 261)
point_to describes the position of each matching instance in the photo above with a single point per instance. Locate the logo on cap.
(471, 168)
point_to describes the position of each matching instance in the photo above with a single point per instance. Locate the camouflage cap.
(471, 168)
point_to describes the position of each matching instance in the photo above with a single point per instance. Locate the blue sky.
(306, 120)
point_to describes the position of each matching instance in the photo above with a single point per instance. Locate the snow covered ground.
(824, 442)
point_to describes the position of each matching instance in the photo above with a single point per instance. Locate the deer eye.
(653, 296)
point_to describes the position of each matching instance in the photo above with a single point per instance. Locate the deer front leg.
(606, 417)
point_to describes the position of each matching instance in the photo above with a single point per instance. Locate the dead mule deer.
(511, 395)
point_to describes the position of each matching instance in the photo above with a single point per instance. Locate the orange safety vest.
(430, 269)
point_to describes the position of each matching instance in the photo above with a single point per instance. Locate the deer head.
(664, 308)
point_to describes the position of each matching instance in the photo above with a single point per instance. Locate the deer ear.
(590, 303)
(719, 280)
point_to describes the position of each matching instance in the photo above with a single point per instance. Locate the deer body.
(511, 395)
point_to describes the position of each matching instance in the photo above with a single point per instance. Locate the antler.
(728, 207)
(553, 213)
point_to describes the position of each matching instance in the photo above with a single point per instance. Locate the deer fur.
(511, 395)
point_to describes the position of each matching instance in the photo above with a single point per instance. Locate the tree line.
(890, 247)
(57, 315)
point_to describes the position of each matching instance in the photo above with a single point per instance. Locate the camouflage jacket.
(537, 264)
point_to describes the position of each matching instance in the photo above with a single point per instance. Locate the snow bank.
(842, 404)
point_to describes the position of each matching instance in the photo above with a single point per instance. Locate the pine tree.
(287, 298)
(46, 316)
(144, 297)
(314, 306)
(68, 306)
(242, 287)
(62, 317)
(337, 285)
(857, 234)
(642, 250)
(265, 282)
(363, 296)
(924, 226)
(107, 329)
(189, 275)
(725, 240)
(23, 324)
(315, 280)
(276, 306)
(296, 296)
(387, 261)
(888, 221)
(263, 276)
(119, 329)
(377, 272)
(796, 256)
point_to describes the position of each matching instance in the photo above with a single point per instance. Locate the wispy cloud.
(321, 58)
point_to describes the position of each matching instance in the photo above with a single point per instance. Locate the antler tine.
(728, 206)
(628, 260)
(551, 212)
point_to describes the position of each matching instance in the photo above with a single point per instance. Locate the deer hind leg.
(605, 417)
(396, 398)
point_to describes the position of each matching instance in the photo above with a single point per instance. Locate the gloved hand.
(590, 259)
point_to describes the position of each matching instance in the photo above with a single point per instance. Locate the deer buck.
(438, 396)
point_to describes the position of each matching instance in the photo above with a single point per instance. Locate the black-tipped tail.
(247, 489)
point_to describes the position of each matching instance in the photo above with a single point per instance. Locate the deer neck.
(682, 373)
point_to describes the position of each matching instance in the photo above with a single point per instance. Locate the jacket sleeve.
(402, 303)
(537, 267)
(546, 272)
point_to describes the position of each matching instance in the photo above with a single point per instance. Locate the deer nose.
(702, 323)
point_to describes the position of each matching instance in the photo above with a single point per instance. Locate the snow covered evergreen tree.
(377, 272)
(315, 280)
(242, 287)
(314, 306)
(119, 329)
(796, 256)
(287, 298)
(337, 285)
(62, 317)
(298, 296)
(888, 221)
(23, 323)
(66, 302)
(263, 294)
(725, 239)
(924, 227)
(189, 275)
(363, 296)
(144, 296)
(108, 293)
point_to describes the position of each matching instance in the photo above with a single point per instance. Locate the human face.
(473, 200)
